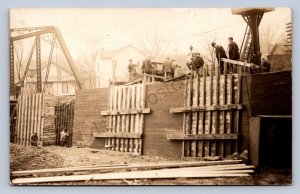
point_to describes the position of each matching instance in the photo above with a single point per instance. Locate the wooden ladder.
(246, 48)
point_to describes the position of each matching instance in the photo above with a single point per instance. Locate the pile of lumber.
(200, 169)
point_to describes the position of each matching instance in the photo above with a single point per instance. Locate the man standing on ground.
(63, 137)
(34, 139)
(220, 53)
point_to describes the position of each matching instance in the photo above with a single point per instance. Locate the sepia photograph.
(150, 96)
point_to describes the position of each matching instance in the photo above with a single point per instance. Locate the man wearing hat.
(198, 62)
(220, 53)
(233, 50)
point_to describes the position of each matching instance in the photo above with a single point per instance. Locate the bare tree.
(87, 64)
(154, 43)
(269, 38)
(210, 54)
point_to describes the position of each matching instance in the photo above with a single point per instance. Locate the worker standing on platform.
(147, 65)
(132, 70)
(198, 62)
(233, 52)
(220, 53)
(166, 68)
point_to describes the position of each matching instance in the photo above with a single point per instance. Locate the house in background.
(60, 82)
(280, 58)
(107, 60)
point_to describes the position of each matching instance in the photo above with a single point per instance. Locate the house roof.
(110, 54)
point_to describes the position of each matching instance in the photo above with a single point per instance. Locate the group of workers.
(195, 62)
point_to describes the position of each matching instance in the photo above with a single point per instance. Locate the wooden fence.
(29, 118)
(125, 118)
(211, 113)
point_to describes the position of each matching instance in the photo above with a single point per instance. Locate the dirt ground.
(27, 158)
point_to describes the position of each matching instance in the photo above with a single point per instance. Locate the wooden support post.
(143, 105)
(123, 106)
(115, 98)
(184, 127)
(201, 114)
(207, 116)
(195, 114)
(137, 117)
(132, 122)
(229, 113)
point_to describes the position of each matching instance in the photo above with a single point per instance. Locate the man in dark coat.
(166, 68)
(198, 62)
(220, 53)
(147, 65)
(233, 50)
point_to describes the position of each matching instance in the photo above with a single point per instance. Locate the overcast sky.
(175, 29)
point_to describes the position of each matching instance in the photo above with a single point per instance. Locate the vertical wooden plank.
(24, 131)
(222, 114)
(39, 115)
(137, 116)
(127, 130)
(143, 105)
(42, 110)
(207, 114)
(229, 112)
(110, 118)
(214, 125)
(23, 123)
(119, 121)
(219, 144)
(184, 116)
(23, 127)
(132, 122)
(238, 101)
(201, 115)
(35, 126)
(189, 115)
(124, 100)
(29, 109)
(33, 109)
(195, 114)
(114, 117)
(19, 119)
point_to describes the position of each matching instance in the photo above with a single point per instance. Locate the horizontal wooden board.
(180, 136)
(118, 135)
(206, 108)
(125, 112)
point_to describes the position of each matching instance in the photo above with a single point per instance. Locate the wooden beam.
(149, 174)
(126, 112)
(203, 164)
(180, 136)
(117, 135)
(244, 64)
(206, 108)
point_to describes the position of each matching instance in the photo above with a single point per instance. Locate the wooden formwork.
(211, 113)
(41, 114)
(125, 118)
(29, 118)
